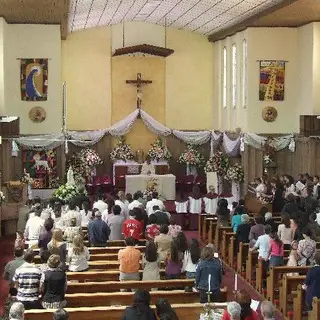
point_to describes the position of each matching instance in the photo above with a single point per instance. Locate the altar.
(166, 184)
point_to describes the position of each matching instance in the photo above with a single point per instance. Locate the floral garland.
(219, 163)
(159, 150)
(235, 173)
(68, 192)
(121, 152)
(191, 156)
(2, 197)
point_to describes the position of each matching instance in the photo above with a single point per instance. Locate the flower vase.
(235, 190)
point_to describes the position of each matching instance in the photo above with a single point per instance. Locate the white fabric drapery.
(154, 125)
(231, 147)
(41, 142)
(86, 138)
(193, 137)
(123, 126)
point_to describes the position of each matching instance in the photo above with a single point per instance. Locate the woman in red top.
(243, 298)
(152, 228)
(275, 250)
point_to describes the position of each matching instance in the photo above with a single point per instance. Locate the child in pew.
(276, 251)
(151, 262)
(173, 261)
(293, 258)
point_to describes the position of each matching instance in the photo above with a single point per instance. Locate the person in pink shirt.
(275, 251)
(174, 229)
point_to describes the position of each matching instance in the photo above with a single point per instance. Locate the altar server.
(195, 201)
(210, 201)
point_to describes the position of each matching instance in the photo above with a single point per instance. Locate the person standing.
(151, 262)
(132, 228)
(78, 255)
(45, 237)
(27, 282)
(123, 203)
(98, 231)
(154, 202)
(115, 224)
(100, 203)
(34, 227)
(163, 242)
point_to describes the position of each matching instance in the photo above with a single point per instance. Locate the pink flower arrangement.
(159, 151)
(219, 163)
(122, 151)
(191, 156)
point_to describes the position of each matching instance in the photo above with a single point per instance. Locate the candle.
(235, 282)
(209, 283)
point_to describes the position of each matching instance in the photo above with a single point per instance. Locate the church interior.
(186, 99)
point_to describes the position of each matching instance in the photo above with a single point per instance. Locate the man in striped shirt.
(27, 282)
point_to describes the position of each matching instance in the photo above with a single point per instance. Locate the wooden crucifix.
(139, 83)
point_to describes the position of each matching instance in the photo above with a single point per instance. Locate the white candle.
(209, 283)
(235, 282)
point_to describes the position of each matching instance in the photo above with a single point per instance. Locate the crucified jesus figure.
(139, 83)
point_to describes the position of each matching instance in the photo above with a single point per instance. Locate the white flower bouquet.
(26, 178)
(90, 157)
(219, 163)
(152, 186)
(2, 197)
(121, 152)
(191, 156)
(235, 173)
(159, 151)
(68, 192)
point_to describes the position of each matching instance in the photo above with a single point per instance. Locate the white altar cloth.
(166, 184)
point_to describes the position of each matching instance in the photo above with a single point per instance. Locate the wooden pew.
(218, 235)
(189, 311)
(226, 236)
(202, 229)
(104, 299)
(231, 252)
(107, 265)
(212, 228)
(242, 256)
(251, 263)
(275, 273)
(287, 285)
(314, 314)
(259, 276)
(298, 301)
(114, 286)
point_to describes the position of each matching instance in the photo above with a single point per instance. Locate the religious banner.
(34, 79)
(272, 75)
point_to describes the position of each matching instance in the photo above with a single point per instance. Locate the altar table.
(166, 184)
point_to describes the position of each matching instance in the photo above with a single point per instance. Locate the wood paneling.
(36, 12)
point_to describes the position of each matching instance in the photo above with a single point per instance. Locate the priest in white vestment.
(148, 168)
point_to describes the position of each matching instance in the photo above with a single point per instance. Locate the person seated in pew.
(256, 230)
(78, 255)
(163, 241)
(285, 233)
(174, 229)
(312, 282)
(276, 251)
(233, 311)
(60, 314)
(140, 309)
(16, 311)
(191, 258)
(296, 228)
(98, 231)
(164, 310)
(306, 248)
(243, 231)
(59, 222)
(129, 259)
(270, 221)
(151, 262)
(267, 310)
(173, 261)
(129, 197)
(115, 224)
(152, 229)
(53, 285)
(243, 298)
(208, 275)
(58, 246)
(210, 201)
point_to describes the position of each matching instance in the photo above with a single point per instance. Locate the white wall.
(2, 36)
(33, 41)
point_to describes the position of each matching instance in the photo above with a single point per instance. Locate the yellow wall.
(86, 67)
(189, 81)
(2, 36)
(124, 95)
(33, 41)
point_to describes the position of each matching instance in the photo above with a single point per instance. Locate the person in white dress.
(72, 213)
(195, 201)
(78, 255)
(154, 202)
(210, 201)
(123, 203)
(289, 186)
(86, 214)
(148, 168)
(34, 227)
(100, 204)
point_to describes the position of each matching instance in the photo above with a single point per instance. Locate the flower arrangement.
(191, 156)
(235, 173)
(219, 163)
(121, 152)
(68, 192)
(268, 160)
(90, 157)
(2, 197)
(210, 313)
(159, 150)
(26, 178)
(152, 186)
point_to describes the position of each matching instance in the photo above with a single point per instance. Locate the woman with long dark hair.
(151, 262)
(140, 309)
(285, 233)
(164, 310)
(182, 242)
(223, 212)
(173, 261)
(191, 258)
(275, 250)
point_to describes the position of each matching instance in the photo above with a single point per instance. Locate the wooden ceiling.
(289, 13)
(36, 12)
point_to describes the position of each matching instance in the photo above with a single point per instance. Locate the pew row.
(189, 311)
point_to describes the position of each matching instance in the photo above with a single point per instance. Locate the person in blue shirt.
(209, 268)
(98, 231)
(312, 282)
(236, 218)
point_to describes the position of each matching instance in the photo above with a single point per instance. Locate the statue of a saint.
(70, 177)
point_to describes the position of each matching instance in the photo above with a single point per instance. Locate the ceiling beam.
(64, 20)
(246, 23)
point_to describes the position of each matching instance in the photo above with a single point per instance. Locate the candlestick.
(209, 283)
(235, 282)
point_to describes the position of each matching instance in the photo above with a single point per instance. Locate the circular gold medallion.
(269, 114)
(37, 114)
